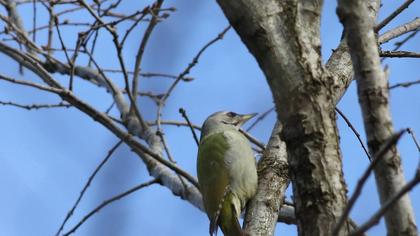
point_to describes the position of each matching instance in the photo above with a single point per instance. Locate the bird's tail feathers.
(226, 217)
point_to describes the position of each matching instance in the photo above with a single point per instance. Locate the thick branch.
(373, 97)
(273, 178)
(284, 38)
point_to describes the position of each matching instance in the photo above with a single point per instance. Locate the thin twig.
(151, 74)
(176, 123)
(91, 177)
(186, 72)
(133, 26)
(36, 106)
(405, 84)
(34, 17)
(107, 202)
(110, 107)
(358, 190)
(253, 139)
(399, 54)
(195, 61)
(184, 115)
(394, 14)
(413, 136)
(260, 118)
(386, 205)
(402, 42)
(354, 131)
(63, 46)
(31, 84)
(165, 146)
(154, 11)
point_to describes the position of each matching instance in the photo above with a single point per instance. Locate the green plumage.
(226, 171)
(211, 154)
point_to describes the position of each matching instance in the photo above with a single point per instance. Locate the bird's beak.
(245, 118)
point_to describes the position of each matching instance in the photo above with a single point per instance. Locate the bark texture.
(273, 179)
(284, 39)
(372, 87)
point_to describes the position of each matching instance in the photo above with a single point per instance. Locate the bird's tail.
(228, 220)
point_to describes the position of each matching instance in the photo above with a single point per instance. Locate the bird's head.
(224, 120)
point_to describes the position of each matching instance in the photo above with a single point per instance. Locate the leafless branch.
(194, 62)
(394, 14)
(402, 42)
(405, 84)
(184, 115)
(176, 123)
(388, 204)
(358, 190)
(34, 106)
(400, 30)
(260, 118)
(91, 177)
(253, 139)
(354, 131)
(30, 84)
(186, 72)
(154, 11)
(413, 136)
(109, 201)
(399, 54)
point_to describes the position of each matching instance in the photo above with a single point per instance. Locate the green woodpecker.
(226, 169)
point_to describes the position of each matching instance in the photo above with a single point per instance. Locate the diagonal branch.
(109, 201)
(358, 190)
(91, 177)
(400, 30)
(386, 206)
(394, 14)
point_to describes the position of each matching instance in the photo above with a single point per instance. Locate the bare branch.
(194, 62)
(260, 118)
(109, 201)
(252, 139)
(89, 181)
(400, 30)
(413, 136)
(402, 42)
(176, 123)
(152, 160)
(399, 54)
(394, 14)
(273, 179)
(405, 84)
(358, 190)
(388, 204)
(373, 93)
(34, 106)
(30, 84)
(153, 11)
(184, 114)
(354, 131)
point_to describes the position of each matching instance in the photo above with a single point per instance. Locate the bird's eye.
(231, 114)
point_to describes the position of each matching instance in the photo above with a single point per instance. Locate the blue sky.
(46, 156)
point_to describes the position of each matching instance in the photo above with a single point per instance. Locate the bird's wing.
(212, 173)
(213, 177)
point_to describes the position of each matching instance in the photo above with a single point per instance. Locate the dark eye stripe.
(231, 114)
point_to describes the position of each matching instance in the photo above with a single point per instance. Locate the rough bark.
(339, 64)
(374, 100)
(273, 179)
(284, 39)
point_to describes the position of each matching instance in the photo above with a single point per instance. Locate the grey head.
(224, 120)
